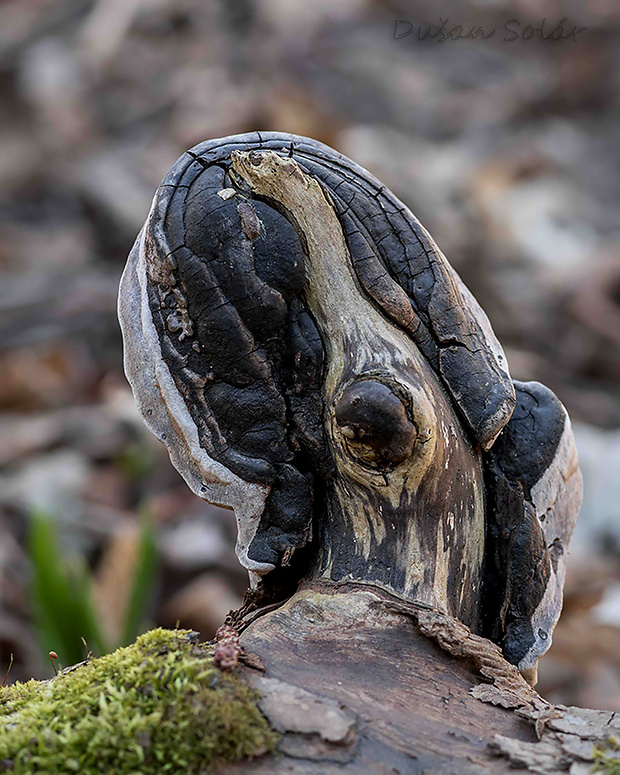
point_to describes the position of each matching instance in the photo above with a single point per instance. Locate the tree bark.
(355, 680)
(408, 702)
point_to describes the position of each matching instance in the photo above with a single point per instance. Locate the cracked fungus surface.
(158, 706)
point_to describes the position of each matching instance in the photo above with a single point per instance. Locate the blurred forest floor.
(506, 151)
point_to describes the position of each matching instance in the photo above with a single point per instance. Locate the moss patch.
(607, 758)
(159, 706)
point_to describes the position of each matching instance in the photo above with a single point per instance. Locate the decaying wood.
(311, 360)
(408, 702)
(408, 524)
(355, 676)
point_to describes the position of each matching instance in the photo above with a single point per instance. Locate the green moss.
(607, 760)
(158, 706)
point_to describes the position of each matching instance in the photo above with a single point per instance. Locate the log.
(396, 702)
(311, 360)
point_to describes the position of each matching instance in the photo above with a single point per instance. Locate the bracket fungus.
(311, 360)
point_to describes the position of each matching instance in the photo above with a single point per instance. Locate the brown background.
(507, 152)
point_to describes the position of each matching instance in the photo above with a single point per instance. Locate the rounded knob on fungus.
(374, 423)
